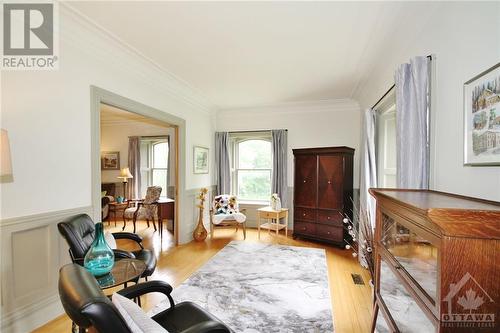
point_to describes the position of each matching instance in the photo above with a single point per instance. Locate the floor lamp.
(125, 175)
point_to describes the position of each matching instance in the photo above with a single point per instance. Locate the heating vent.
(357, 279)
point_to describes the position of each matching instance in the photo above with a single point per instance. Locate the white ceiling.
(252, 53)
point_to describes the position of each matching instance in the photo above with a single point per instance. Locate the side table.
(115, 207)
(271, 214)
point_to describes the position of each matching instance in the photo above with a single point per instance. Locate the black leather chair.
(79, 233)
(86, 305)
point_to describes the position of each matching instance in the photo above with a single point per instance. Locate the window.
(252, 165)
(154, 164)
(386, 142)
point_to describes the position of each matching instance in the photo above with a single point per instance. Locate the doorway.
(135, 147)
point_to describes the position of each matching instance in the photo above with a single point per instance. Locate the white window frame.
(235, 139)
(151, 142)
(383, 170)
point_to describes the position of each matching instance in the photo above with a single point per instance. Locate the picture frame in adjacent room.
(110, 160)
(200, 159)
(482, 118)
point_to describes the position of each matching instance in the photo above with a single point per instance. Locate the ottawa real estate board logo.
(30, 40)
(468, 305)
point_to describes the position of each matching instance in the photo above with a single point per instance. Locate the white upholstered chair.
(225, 212)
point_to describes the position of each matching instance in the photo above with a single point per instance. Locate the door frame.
(100, 96)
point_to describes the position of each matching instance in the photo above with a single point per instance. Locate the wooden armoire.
(322, 193)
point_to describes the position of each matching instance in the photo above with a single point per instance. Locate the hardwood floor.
(351, 303)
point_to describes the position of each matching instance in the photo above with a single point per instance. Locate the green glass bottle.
(100, 258)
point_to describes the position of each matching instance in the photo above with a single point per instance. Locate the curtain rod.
(256, 131)
(390, 89)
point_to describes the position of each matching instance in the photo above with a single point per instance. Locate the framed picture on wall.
(200, 159)
(482, 118)
(110, 160)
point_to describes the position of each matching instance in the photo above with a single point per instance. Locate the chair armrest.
(128, 235)
(207, 327)
(148, 287)
(122, 254)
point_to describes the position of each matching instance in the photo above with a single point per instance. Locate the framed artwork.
(200, 159)
(110, 160)
(482, 118)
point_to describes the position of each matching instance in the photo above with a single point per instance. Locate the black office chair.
(86, 305)
(79, 233)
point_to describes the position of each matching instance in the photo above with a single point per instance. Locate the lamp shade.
(5, 159)
(125, 173)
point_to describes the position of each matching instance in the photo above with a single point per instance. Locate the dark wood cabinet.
(436, 262)
(322, 192)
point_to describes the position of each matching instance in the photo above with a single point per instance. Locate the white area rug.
(254, 287)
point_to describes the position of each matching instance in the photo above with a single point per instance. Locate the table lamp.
(5, 162)
(124, 176)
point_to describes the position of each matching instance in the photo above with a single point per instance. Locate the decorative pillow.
(137, 320)
(110, 240)
(225, 204)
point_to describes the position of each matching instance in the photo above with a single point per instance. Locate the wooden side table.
(269, 213)
(166, 210)
(115, 207)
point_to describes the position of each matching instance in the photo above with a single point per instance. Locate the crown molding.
(97, 42)
(330, 105)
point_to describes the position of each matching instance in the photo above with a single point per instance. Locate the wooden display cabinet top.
(454, 215)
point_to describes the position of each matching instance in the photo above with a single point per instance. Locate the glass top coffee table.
(124, 270)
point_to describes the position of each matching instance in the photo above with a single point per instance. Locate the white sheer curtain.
(368, 170)
(412, 144)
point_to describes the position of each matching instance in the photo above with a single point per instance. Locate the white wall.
(47, 114)
(114, 137)
(309, 124)
(465, 38)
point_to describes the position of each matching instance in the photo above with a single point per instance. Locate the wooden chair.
(146, 208)
(225, 212)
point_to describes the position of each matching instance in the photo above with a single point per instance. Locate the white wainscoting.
(32, 251)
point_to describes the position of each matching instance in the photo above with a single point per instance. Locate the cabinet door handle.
(304, 214)
(328, 217)
(329, 182)
(328, 232)
(304, 181)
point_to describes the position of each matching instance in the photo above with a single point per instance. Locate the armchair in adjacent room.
(145, 209)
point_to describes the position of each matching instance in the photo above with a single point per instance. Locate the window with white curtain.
(251, 165)
(154, 164)
(386, 142)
